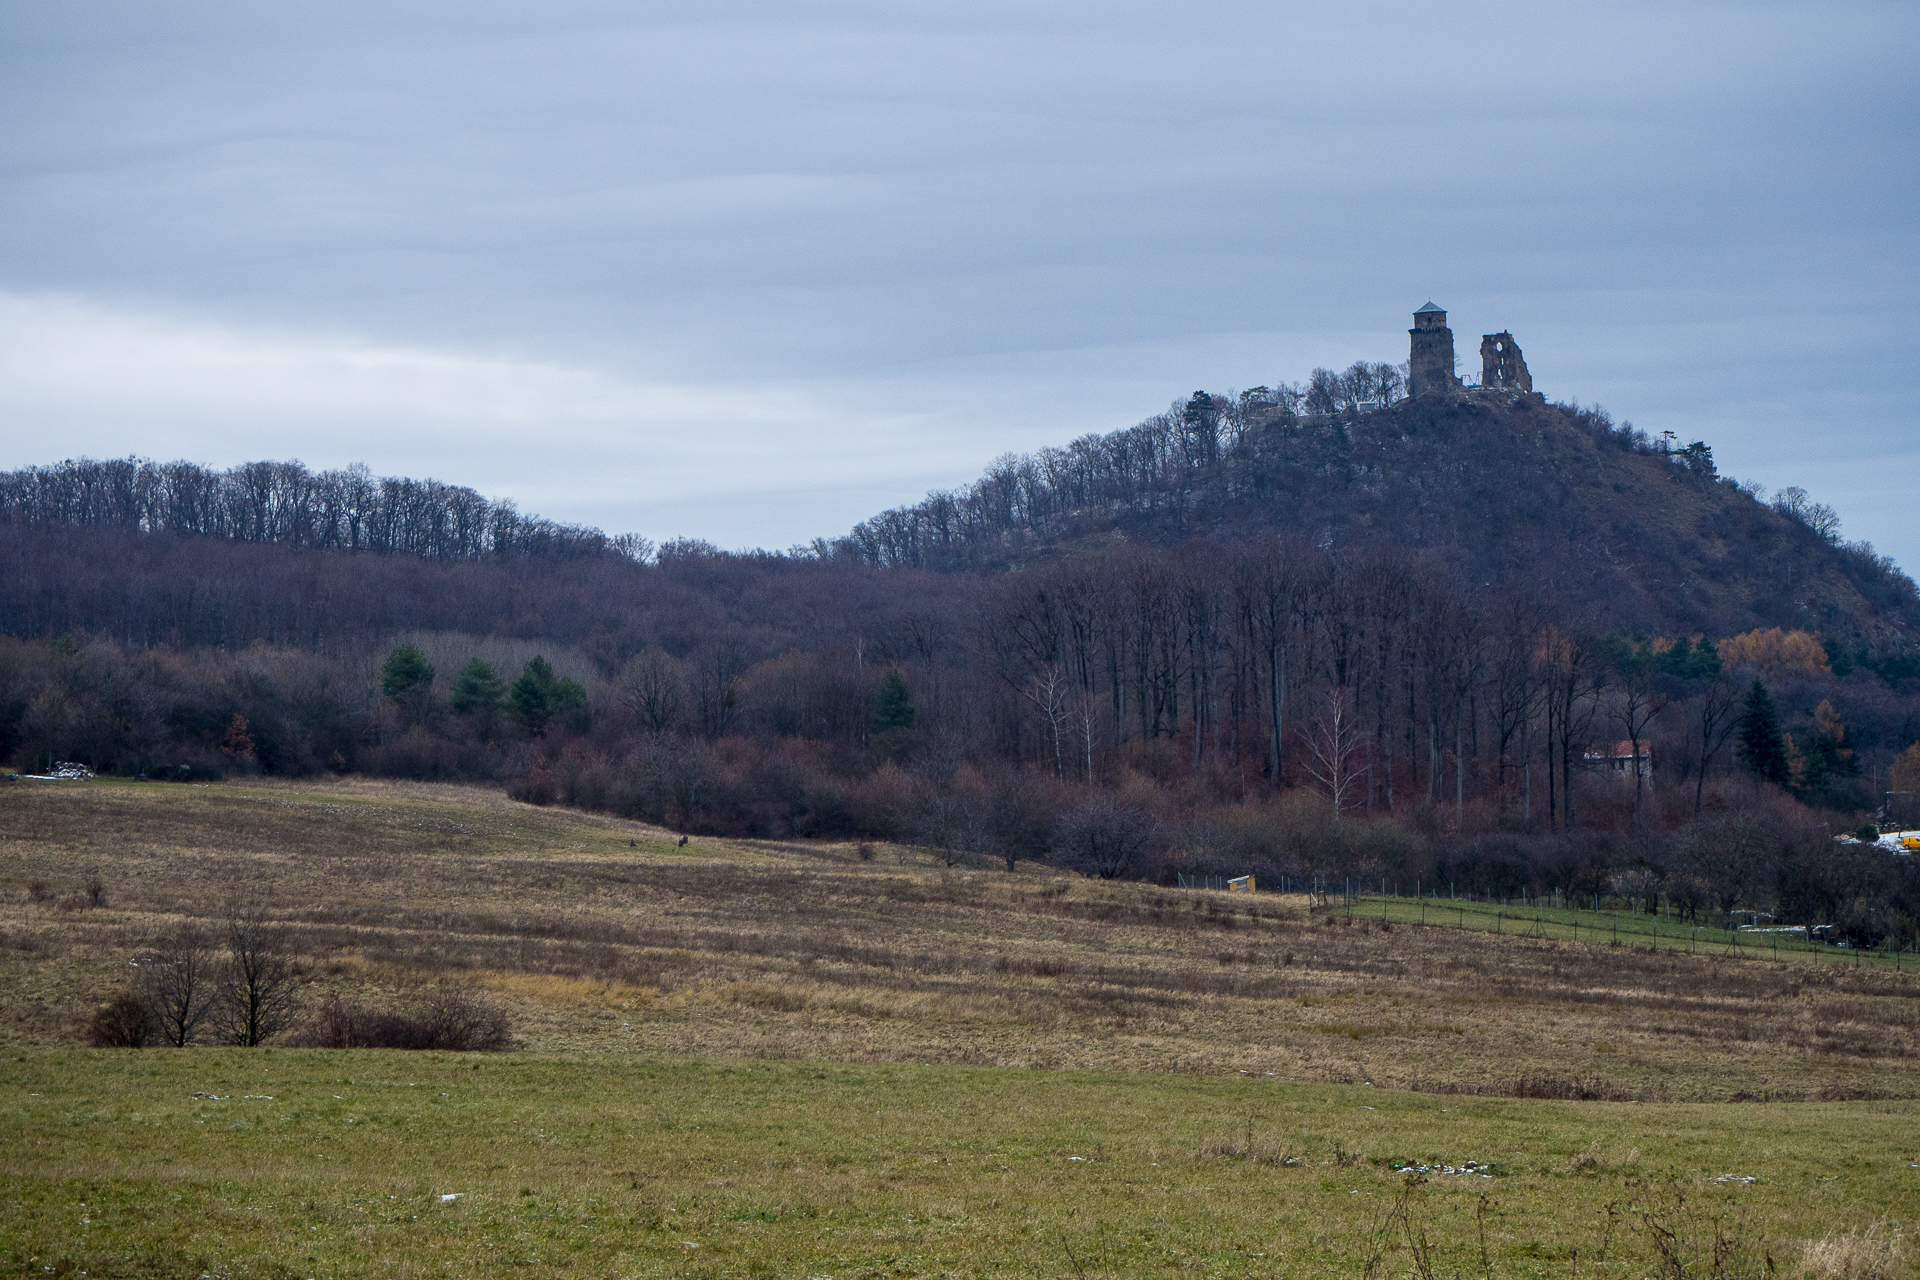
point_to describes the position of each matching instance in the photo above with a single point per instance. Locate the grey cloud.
(958, 229)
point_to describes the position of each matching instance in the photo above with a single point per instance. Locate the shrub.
(125, 1022)
(447, 1019)
(537, 786)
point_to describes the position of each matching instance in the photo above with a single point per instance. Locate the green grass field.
(290, 1163)
(1626, 928)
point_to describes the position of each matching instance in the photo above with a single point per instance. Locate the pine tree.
(533, 695)
(893, 708)
(406, 671)
(479, 690)
(407, 678)
(1762, 748)
(538, 695)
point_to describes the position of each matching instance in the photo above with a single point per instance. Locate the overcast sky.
(753, 271)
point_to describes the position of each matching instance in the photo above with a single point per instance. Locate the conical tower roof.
(1430, 307)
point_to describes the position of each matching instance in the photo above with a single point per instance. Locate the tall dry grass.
(1884, 1251)
(603, 934)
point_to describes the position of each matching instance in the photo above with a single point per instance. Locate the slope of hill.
(1510, 490)
(606, 935)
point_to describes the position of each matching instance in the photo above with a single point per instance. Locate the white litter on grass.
(215, 1097)
(257, 1097)
(1734, 1177)
(690, 1244)
(62, 771)
(1079, 1158)
(1469, 1168)
(451, 1196)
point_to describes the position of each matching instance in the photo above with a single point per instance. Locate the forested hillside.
(1546, 499)
(1490, 640)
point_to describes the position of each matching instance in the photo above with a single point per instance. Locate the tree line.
(349, 509)
(1269, 705)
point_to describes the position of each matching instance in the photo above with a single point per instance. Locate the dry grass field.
(805, 1060)
(603, 935)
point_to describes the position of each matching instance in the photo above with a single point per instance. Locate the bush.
(447, 1019)
(537, 786)
(125, 1022)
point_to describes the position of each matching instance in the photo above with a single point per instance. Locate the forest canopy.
(1494, 642)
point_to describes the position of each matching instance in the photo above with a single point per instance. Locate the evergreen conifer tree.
(1762, 748)
(479, 691)
(405, 672)
(407, 678)
(893, 708)
(539, 695)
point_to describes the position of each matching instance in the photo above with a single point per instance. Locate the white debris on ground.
(1468, 1169)
(62, 771)
(1734, 1177)
(450, 1197)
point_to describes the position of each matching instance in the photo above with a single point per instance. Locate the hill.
(1450, 640)
(1512, 491)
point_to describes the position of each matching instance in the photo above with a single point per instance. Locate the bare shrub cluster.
(190, 986)
(447, 1018)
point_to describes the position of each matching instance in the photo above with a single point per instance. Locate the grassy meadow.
(295, 1163)
(808, 1059)
(1634, 929)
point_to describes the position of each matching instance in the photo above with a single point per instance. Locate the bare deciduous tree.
(1019, 817)
(652, 687)
(259, 988)
(1573, 680)
(1103, 836)
(1333, 743)
(1714, 719)
(1635, 702)
(1052, 696)
(180, 981)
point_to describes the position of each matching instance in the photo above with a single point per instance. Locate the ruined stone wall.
(1501, 364)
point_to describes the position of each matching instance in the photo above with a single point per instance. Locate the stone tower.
(1501, 364)
(1430, 366)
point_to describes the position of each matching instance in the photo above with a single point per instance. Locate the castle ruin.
(1430, 366)
(1430, 362)
(1502, 365)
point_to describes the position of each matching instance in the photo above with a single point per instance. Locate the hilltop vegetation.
(1545, 499)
